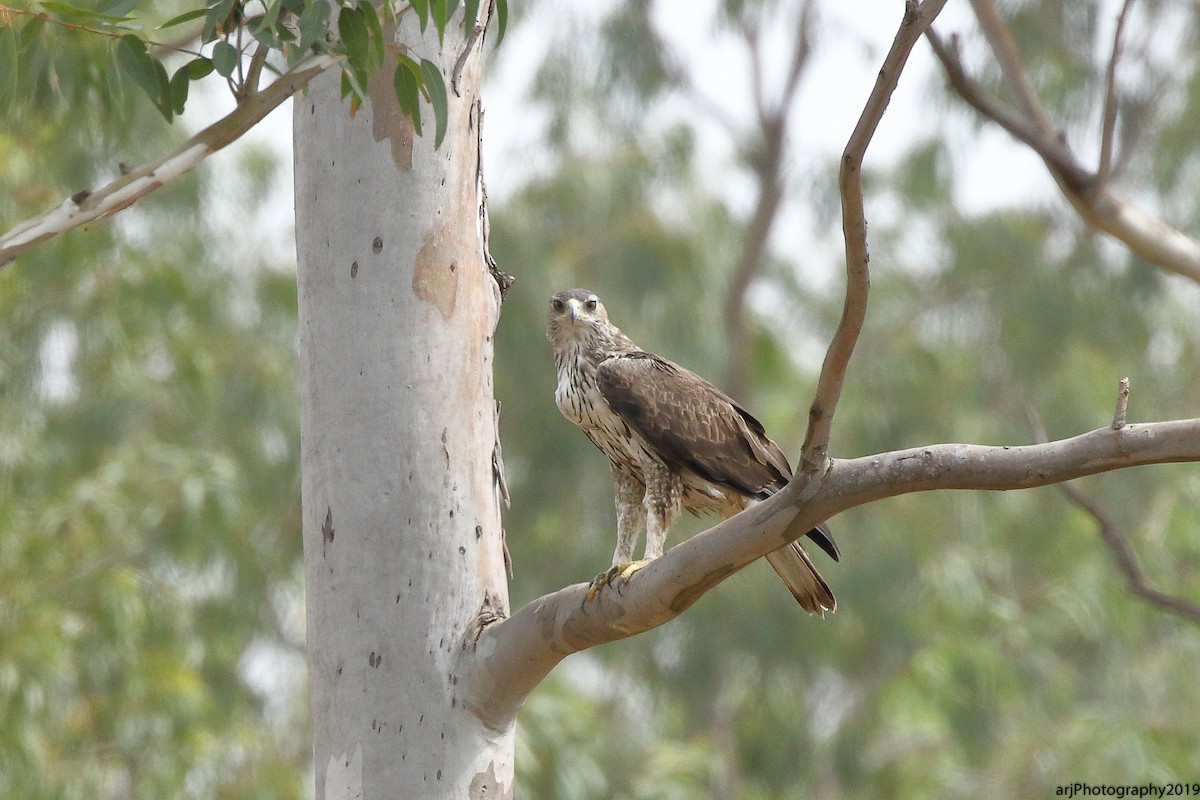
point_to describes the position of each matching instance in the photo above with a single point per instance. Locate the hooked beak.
(573, 310)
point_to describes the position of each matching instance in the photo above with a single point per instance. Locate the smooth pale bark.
(402, 537)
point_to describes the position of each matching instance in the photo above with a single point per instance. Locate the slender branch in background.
(1148, 237)
(85, 207)
(854, 227)
(1122, 550)
(751, 33)
(1008, 56)
(1109, 123)
(1114, 537)
(1052, 150)
(767, 159)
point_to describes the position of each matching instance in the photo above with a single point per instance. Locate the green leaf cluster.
(150, 551)
(226, 34)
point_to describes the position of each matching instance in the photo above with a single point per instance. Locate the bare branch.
(1109, 124)
(768, 167)
(854, 227)
(507, 659)
(1052, 150)
(751, 34)
(800, 56)
(1148, 237)
(1122, 404)
(84, 207)
(1004, 47)
(767, 163)
(1122, 550)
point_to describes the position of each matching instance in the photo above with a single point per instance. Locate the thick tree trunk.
(402, 538)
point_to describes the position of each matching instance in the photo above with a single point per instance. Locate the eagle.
(673, 440)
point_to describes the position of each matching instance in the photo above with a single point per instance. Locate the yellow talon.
(617, 573)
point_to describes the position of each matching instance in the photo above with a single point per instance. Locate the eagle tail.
(796, 569)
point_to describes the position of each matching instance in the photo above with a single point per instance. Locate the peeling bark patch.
(435, 275)
(344, 775)
(387, 120)
(485, 786)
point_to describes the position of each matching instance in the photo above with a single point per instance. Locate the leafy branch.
(305, 35)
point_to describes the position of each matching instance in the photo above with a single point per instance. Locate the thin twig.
(84, 207)
(1052, 150)
(1122, 404)
(1004, 47)
(854, 228)
(1122, 550)
(1109, 124)
(1114, 538)
(249, 85)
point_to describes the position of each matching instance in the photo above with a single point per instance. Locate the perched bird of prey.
(674, 442)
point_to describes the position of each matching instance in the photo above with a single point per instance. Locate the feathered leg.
(663, 502)
(631, 518)
(652, 506)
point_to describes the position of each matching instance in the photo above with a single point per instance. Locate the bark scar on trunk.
(435, 275)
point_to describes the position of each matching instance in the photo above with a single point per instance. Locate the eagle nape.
(674, 443)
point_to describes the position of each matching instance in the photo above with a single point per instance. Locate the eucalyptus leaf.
(225, 58)
(146, 71)
(435, 87)
(408, 94)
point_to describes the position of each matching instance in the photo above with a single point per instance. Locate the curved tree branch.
(506, 659)
(1087, 191)
(84, 207)
(854, 227)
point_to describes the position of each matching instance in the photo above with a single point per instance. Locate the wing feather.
(692, 424)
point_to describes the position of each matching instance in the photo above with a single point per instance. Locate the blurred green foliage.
(149, 517)
(150, 579)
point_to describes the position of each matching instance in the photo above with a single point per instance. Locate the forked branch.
(1087, 190)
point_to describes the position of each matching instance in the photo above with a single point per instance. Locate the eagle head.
(576, 314)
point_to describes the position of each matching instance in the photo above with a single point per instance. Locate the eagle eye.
(591, 304)
(557, 305)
